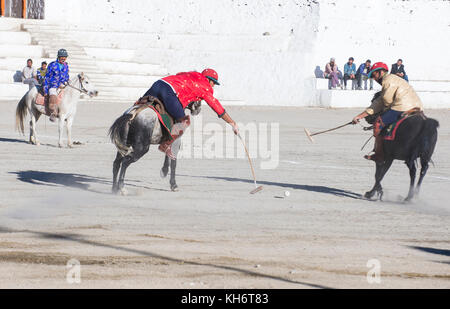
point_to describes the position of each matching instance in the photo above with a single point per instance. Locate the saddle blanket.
(43, 100)
(390, 131)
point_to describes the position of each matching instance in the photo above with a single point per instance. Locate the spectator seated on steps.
(41, 73)
(332, 73)
(399, 70)
(350, 73)
(362, 75)
(29, 74)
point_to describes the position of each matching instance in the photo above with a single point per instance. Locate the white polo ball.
(287, 193)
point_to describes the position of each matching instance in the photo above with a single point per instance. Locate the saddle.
(42, 102)
(388, 133)
(164, 118)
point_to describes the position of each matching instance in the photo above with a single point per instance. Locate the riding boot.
(378, 155)
(177, 131)
(52, 107)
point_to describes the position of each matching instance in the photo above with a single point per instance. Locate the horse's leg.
(165, 169)
(381, 170)
(34, 118)
(412, 174)
(60, 129)
(138, 152)
(69, 123)
(173, 183)
(116, 167)
(423, 170)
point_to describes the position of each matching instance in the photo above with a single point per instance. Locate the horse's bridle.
(81, 89)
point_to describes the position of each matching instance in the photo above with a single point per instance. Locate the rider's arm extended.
(218, 108)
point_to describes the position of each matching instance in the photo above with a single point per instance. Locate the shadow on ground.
(70, 180)
(12, 140)
(318, 189)
(80, 239)
(443, 252)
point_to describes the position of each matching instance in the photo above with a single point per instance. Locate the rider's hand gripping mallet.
(257, 189)
(310, 135)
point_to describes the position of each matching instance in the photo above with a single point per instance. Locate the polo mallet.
(310, 135)
(257, 189)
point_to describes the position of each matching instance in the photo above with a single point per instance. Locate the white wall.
(278, 68)
(417, 31)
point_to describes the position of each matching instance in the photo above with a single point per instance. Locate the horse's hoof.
(174, 188)
(380, 195)
(163, 172)
(60, 146)
(369, 195)
(123, 192)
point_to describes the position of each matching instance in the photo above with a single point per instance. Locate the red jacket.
(193, 86)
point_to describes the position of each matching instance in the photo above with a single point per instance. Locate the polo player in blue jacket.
(56, 77)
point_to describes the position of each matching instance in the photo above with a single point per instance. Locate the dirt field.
(56, 205)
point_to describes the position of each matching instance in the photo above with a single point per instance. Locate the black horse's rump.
(415, 139)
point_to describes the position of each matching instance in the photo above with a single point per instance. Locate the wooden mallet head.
(308, 134)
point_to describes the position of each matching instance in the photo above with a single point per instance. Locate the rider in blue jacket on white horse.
(57, 76)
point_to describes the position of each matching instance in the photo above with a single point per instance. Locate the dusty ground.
(55, 205)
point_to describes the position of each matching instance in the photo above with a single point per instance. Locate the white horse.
(66, 109)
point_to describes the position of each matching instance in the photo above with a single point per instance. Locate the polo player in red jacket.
(176, 92)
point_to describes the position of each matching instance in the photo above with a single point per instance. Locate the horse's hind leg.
(116, 168)
(423, 170)
(381, 170)
(412, 174)
(138, 152)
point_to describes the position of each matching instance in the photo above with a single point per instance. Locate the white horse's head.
(86, 85)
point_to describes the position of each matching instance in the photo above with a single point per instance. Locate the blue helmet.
(62, 53)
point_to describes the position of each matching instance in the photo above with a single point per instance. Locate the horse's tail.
(428, 138)
(119, 133)
(21, 113)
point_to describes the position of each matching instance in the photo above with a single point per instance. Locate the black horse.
(132, 134)
(415, 138)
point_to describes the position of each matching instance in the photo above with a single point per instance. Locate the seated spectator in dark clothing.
(362, 75)
(349, 72)
(399, 69)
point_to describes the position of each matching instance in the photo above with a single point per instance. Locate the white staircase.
(113, 71)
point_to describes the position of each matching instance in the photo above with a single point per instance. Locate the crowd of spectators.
(359, 77)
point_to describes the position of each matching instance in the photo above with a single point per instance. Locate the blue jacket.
(55, 76)
(349, 69)
(361, 69)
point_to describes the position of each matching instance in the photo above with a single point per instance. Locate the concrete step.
(111, 54)
(25, 51)
(362, 99)
(322, 84)
(15, 37)
(130, 68)
(13, 90)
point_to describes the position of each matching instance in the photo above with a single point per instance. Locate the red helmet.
(378, 66)
(211, 75)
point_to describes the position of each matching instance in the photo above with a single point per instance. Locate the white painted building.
(266, 52)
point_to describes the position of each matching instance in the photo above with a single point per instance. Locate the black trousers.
(346, 78)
